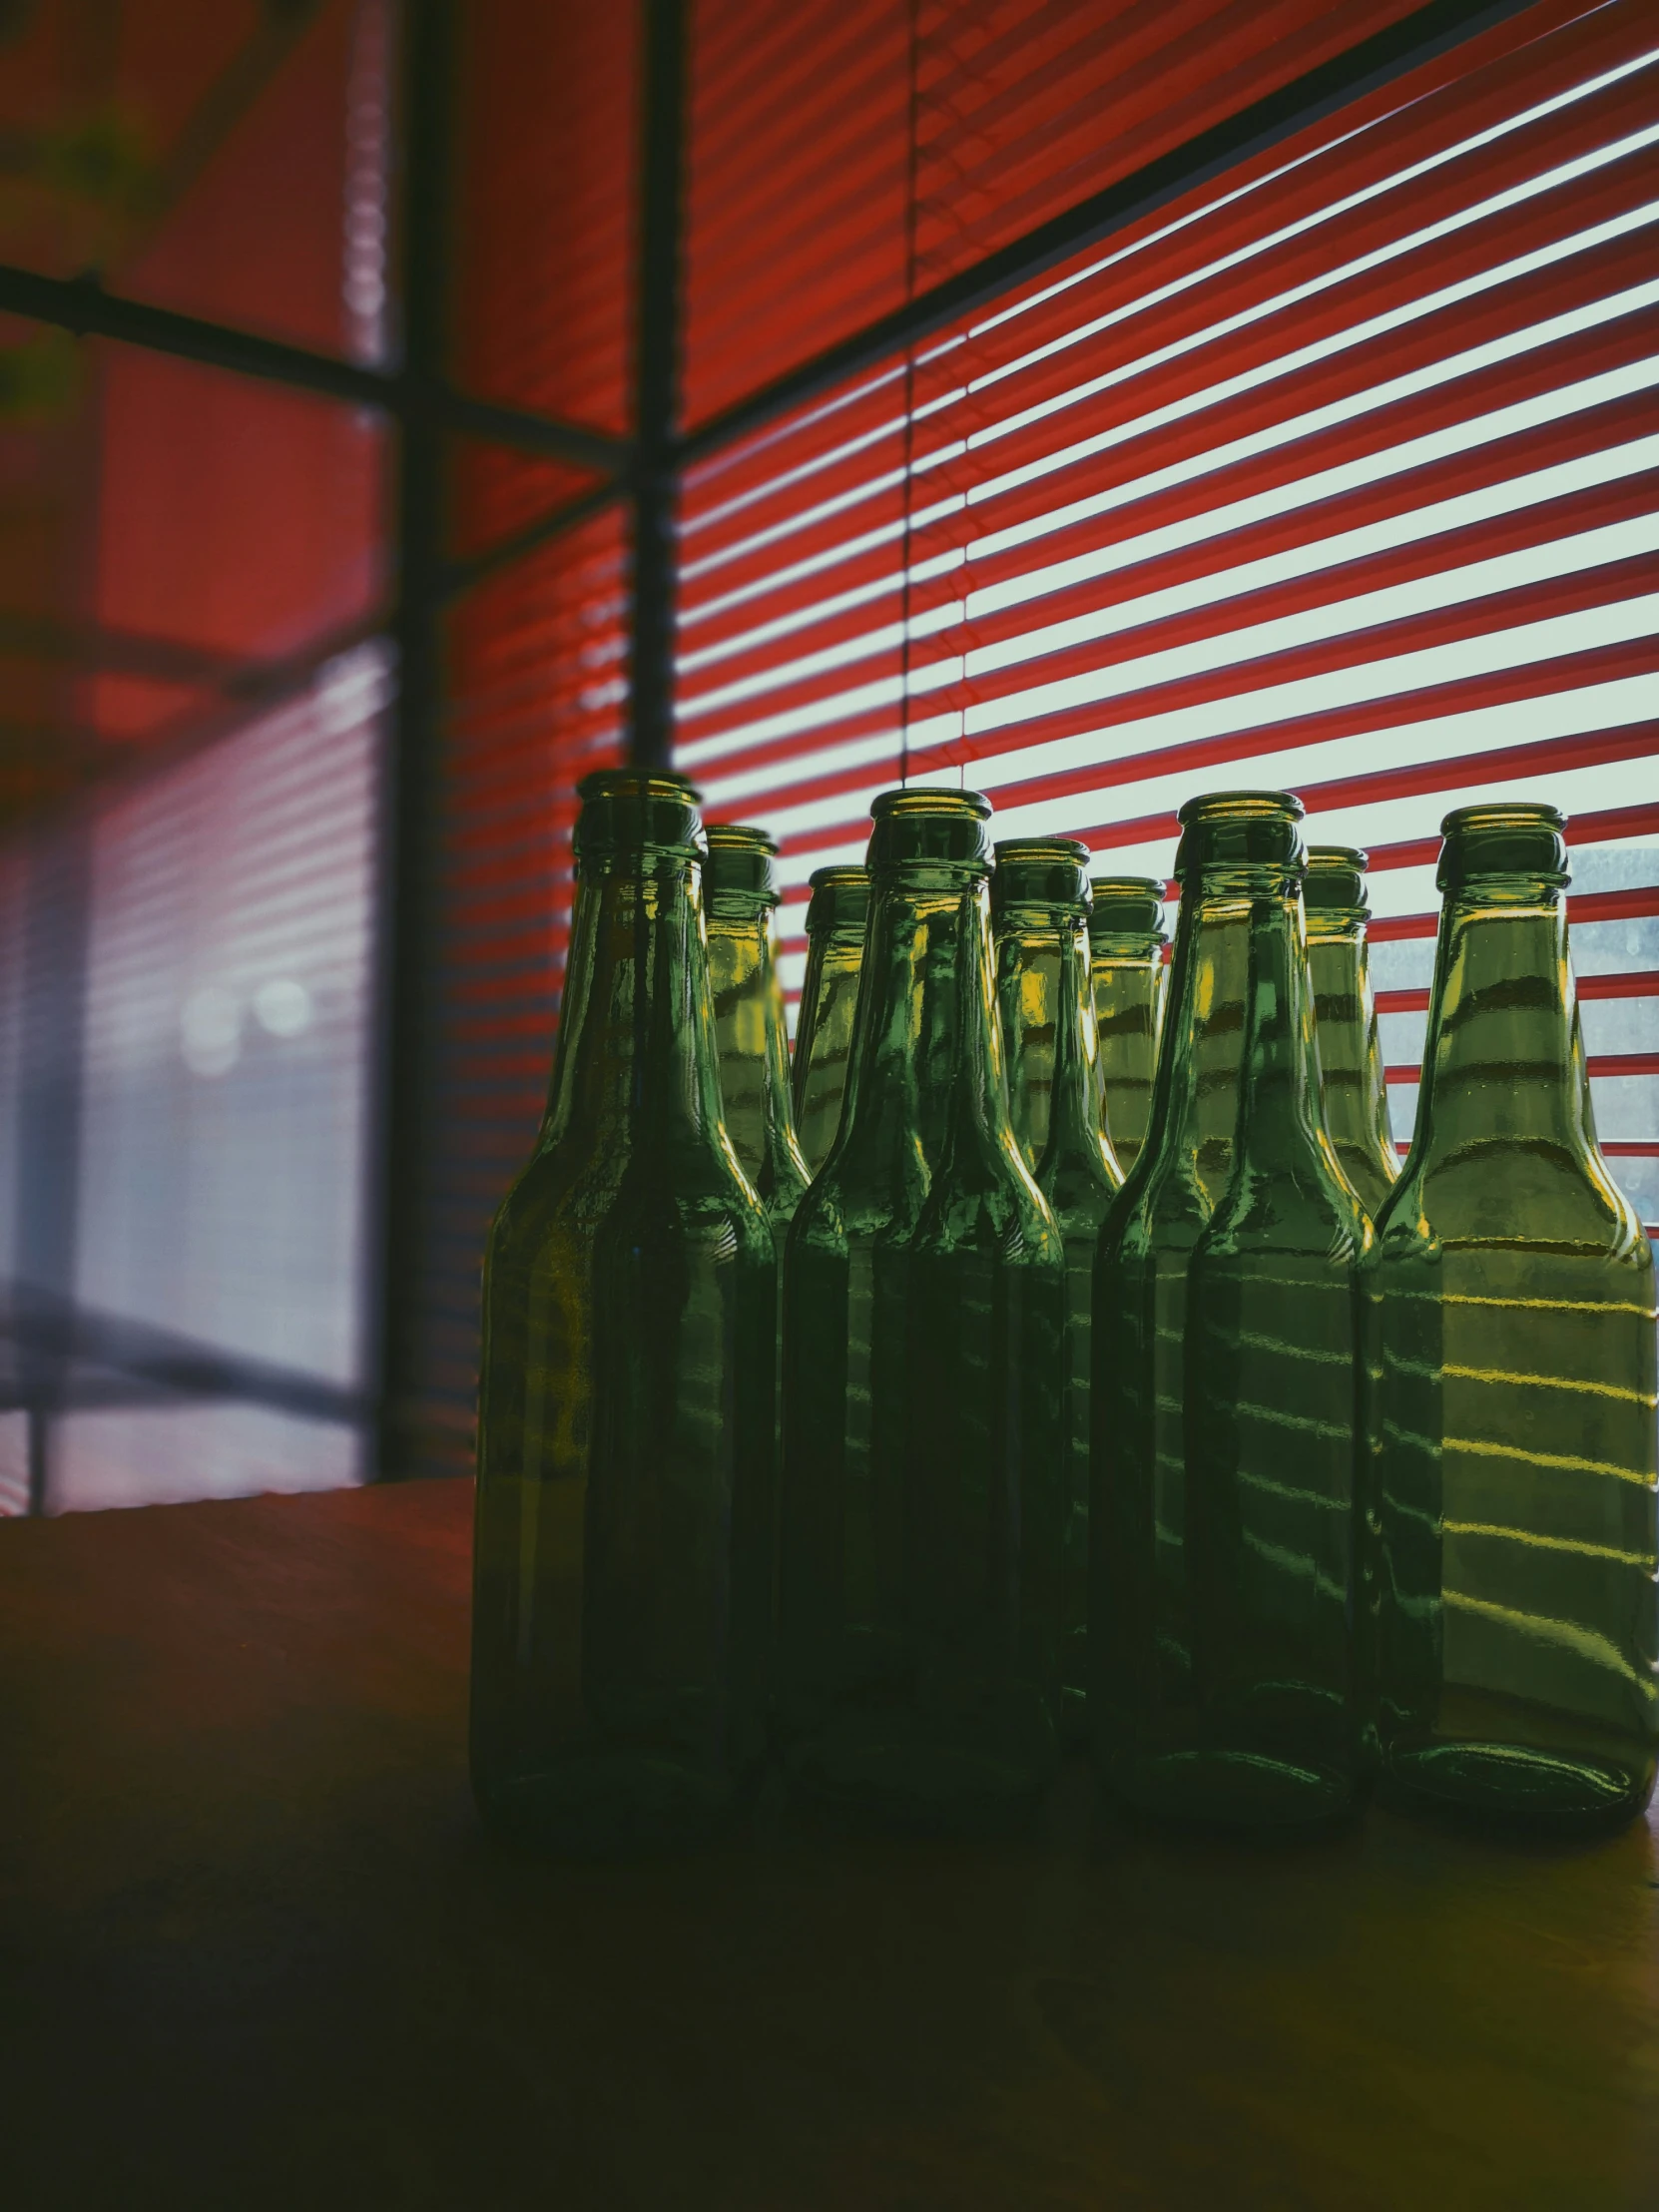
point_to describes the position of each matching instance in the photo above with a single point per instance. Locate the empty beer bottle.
(1079, 1177)
(835, 918)
(1126, 967)
(621, 1567)
(1037, 917)
(1144, 1711)
(924, 1467)
(1275, 1515)
(1351, 1050)
(1510, 1333)
(739, 895)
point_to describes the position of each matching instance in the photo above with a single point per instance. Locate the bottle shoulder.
(570, 1188)
(1529, 1195)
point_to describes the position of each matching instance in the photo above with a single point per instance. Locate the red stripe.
(1631, 983)
(1602, 1064)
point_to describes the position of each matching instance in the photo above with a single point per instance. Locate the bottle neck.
(925, 993)
(636, 1050)
(1076, 1158)
(1351, 1072)
(1195, 1097)
(1034, 944)
(1504, 1062)
(752, 1048)
(1281, 1112)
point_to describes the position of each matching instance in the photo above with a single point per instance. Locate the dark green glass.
(1079, 1177)
(1275, 1514)
(622, 1589)
(1511, 1353)
(1126, 971)
(740, 899)
(1148, 1723)
(1036, 922)
(836, 915)
(925, 1463)
(1355, 1085)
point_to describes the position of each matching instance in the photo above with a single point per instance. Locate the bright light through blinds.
(1342, 477)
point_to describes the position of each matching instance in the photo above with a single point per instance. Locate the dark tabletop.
(254, 1952)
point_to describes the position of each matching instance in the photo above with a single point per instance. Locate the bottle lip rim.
(1129, 887)
(1072, 850)
(637, 782)
(1503, 814)
(936, 798)
(741, 836)
(1338, 859)
(842, 874)
(1241, 806)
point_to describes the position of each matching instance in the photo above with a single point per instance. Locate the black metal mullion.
(82, 305)
(410, 849)
(657, 385)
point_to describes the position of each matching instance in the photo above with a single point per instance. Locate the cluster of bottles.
(1048, 1356)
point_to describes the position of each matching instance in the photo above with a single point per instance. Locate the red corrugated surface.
(1341, 474)
(537, 696)
(844, 155)
(545, 213)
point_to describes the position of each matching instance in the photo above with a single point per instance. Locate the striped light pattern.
(1340, 476)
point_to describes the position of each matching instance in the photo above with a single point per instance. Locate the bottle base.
(1245, 1791)
(1074, 1720)
(607, 1805)
(905, 1780)
(1521, 1786)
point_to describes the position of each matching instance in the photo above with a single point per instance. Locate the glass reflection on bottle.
(1034, 892)
(1143, 1698)
(622, 1570)
(1510, 1332)
(924, 1493)
(1355, 1084)
(835, 918)
(1126, 970)
(1275, 1516)
(1079, 1177)
(740, 899)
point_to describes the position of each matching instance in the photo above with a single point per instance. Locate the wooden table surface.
(254, 1950)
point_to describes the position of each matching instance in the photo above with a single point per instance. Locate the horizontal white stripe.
(1329, 280)
(1192, 468)
(1261, 373)
(837, 456)
(1619, 704)
(1204, 656)
(1309, 559)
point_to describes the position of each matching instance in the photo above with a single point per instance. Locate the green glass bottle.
(1126, 968)
(1143, 1698)
(1351, 1050)
(923, 1416)
(835, 918)
(1511, 1353)
(1079, 1177)
(1274, 1512)
(740, 899)
(1036, 919)
(622, 1588)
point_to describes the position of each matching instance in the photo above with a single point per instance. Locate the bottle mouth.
(739, 867)
(1127, 906)
(1335, 880)
(1240, 830)
(839, 900)
(628, 809)
(922, 825)
(1045, 871)
(1514, 838)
